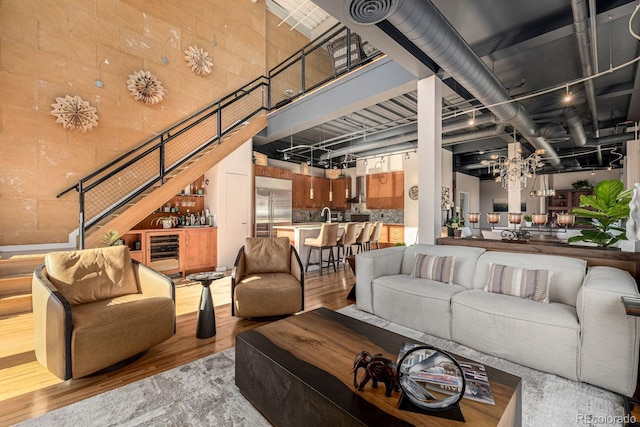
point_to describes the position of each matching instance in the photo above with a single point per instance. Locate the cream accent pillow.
(438, 268)
(92, 275)
(519, 282)
(267, 255)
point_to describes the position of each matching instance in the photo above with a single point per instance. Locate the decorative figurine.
(377, 368)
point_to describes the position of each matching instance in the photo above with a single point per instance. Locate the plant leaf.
(608, 191)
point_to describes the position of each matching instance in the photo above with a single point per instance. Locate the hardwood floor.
(27, 390)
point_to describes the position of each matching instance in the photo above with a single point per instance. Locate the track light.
(472, 120)
(99, 82)
(407, 156)
(568, 97)
(286, 156)
(365, 162)
(381, 159)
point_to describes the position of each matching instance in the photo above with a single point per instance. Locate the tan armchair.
(95, 308)
(267, 279)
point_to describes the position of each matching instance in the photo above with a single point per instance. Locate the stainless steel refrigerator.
(273, 205)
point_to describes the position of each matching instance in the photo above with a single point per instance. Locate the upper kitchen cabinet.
(272, 172)
(298, 199)
(340, 186)
(385, 190)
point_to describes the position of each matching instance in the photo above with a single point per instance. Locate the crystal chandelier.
(513, 173)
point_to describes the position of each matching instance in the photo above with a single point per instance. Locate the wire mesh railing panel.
(115, 188)
(181, 146)
(287, 83)
(317, 68)
(236, 112)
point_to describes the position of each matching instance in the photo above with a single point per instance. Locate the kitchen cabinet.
(271, 171)
(391, 234)
(385, 190)
(174, 250)
(297, 189)
(340, 185)
(200, 248)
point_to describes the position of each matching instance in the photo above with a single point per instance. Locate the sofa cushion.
(438, 268)
(92, 275)
(465, 259)
(108, 331)
(541, 336)
(519, 282)
(268, 294)
(421, 304)
(267, 255)
(568, 273)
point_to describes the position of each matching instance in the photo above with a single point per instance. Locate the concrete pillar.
(632, 164)
(429, 151)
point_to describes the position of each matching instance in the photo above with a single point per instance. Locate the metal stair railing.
(113, 186)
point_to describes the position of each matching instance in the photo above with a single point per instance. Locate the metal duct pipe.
(385, 151)
(611, 139)
(471, 136)
(463, 123)
(423, 24)
(579, 9)
(385, 143)
(575, 126)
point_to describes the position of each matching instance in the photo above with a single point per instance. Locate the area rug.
(203, 393)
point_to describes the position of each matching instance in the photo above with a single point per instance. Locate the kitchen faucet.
(322, 213)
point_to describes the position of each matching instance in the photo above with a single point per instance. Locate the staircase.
(16, 271)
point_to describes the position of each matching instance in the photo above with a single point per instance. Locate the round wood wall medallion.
(413, 192)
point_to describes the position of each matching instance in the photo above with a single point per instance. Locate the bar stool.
(376, 231)
(347, 239)
(363, 238)
(327, 239)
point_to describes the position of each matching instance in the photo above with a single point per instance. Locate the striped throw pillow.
(438, 268)
(519, 282)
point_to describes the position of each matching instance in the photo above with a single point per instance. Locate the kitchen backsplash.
(392, 216)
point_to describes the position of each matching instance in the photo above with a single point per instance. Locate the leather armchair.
(95, 308)
(267, 279)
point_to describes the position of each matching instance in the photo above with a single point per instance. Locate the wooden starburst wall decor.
(74, 113)
(199, 60)
(145, 87)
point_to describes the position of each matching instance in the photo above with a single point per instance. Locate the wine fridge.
(164, 252)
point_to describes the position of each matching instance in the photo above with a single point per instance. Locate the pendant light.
(311, 177)
(330, 180)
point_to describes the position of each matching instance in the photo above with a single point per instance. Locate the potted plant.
(581, 183)
(607, 206)
(454, 225)
(166, 221)
(111, 238)
(528, 220)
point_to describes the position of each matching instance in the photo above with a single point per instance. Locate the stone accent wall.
(53, 48)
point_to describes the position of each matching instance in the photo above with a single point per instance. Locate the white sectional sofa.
(582, 334)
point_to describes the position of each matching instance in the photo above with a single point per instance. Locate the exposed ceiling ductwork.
(579, 10)
(423, 24)
(472, 136)
(575, 126)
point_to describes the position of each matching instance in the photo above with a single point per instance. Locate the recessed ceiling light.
(480, 152)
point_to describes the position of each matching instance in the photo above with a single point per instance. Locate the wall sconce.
(493, 218)
(99, 82)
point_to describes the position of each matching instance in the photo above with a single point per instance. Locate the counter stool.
(347, 239)
(327, 239)
(363, 238)
(376, 231)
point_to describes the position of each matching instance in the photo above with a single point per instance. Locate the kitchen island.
(298, 232)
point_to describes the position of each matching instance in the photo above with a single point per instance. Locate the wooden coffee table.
(297, 371)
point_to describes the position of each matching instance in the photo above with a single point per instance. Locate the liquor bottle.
(188, 218)
(203, 220)
(193, 219)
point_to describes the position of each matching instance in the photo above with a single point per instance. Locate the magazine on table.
(436, 372)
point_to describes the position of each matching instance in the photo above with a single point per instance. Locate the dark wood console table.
(628, 261)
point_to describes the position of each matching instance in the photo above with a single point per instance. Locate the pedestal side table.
(206, 325)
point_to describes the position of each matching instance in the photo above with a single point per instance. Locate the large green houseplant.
(608, 205)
